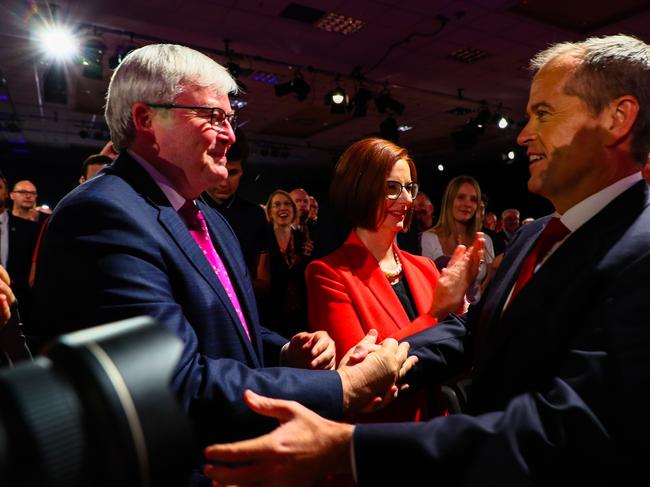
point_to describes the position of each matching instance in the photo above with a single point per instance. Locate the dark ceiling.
(445, 61)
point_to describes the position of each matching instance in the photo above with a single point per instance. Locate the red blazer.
(348, 294)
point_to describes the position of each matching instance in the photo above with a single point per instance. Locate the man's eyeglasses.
(394, 189)
(25, 192)
(216, 115)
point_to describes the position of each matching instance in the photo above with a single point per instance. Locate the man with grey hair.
(560, 343)
(139, 241)
(510, 221)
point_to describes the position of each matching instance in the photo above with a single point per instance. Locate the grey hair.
(157, 73)
(608, 67)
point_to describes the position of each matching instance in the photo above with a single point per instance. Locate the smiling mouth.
(535, 158)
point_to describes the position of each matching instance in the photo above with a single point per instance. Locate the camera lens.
(96, 410)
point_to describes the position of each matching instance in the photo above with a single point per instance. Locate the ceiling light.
(58, 42)
(511, 155)
(404, 128)
(337, 99)
(502, 123)
(333, 22)
(441, 167)
(265, 77)
(297, 85)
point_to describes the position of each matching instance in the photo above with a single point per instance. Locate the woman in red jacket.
(369, 282)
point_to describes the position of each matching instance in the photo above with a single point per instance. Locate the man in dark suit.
(18, 238)
(134, 240)
(562, 362)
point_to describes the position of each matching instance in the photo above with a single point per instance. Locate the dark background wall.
(55, 171)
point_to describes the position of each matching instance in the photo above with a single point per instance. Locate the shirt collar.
(161, 180)
(581, 213)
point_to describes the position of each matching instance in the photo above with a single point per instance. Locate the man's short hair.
(158, 73)
(358, 188)
(92, 160)
(608, 67)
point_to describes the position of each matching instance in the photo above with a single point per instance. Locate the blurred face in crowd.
(24, 195)
(422, 207)
(188, 149)
(301, 198)
(281, 210)
(226, 188)
(397, 209)
(313, 208)
(490, 221)
(510, 221)
(465, 203)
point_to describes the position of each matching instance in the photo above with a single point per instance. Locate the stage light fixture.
(502, 123)
(58, 42)
(297, 85)
(385, 102)
(91, 54)
(337, 99)
(359, 102)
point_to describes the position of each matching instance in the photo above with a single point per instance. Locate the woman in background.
(285, 310)
(458, 224)
(369, 282)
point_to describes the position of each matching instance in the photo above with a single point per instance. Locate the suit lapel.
(175, 227)
(365, 266)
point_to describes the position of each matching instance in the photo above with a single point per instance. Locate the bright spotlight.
(441, 167)
(502, 123)
(58, 42)
(511, 155)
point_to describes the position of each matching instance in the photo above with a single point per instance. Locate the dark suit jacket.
(115, 248)
(560, 395)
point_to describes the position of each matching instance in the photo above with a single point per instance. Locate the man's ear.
(624, 111)
(142, 116)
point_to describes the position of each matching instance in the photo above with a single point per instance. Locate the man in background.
(245, 217)
(92, 165)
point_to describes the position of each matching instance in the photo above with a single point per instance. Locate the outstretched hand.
(302, 450)
(375, 381)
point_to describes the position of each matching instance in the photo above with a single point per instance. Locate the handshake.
(373, 374)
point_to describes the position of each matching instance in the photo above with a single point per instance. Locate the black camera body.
(96, 409)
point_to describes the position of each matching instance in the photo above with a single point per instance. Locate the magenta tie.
(199, 230)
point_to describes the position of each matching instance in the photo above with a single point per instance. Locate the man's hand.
(373, 383)
(310, 351)
(456, 278)
(302, 450)
(7, 297)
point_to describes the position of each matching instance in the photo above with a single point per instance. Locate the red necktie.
(196, 224)
(553, 232)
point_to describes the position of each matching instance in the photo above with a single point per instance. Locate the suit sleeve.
(116, 267)
(331, 308)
